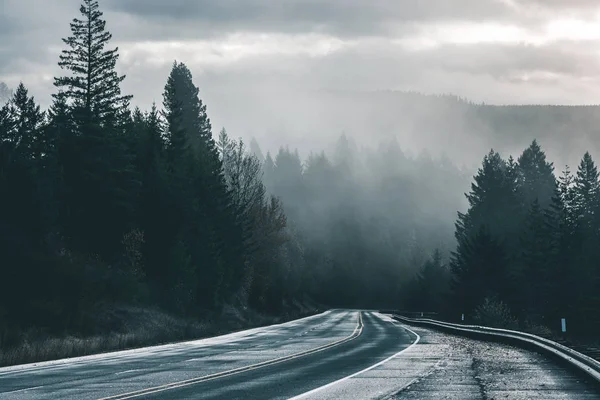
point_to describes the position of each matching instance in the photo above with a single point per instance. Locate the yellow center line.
(174, 385)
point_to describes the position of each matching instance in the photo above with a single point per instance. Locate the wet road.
(336, 355)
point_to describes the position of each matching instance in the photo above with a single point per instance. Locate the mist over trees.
(366, 218)
(529, 240)
(102, 204)
(442, 124)
(5, 93)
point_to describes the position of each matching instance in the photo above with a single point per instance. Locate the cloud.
(492, 50)
(346, 18)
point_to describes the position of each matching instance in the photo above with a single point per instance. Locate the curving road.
(335, 355)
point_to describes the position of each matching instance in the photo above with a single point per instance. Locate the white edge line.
(22, 390)
(116, 355)
(303, 395)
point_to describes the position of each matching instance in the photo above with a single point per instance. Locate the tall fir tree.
(559, 226)
(535, 273)
(28, 138)
(93, 89)
(587, 193)
(586, 204)
(479, 268)
(215, 240)
(100, 177)
(492, 197)
(535, 177)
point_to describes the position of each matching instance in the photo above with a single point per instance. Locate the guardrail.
(578, 361)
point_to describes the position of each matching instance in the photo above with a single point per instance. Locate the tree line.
(529, 241)
(104, 204)
(365, 218)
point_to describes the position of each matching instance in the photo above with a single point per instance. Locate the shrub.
(494, 313)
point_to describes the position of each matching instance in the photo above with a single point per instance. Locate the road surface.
(340, 354)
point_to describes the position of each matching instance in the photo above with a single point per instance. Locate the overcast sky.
(497, 51)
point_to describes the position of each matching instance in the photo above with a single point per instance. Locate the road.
(339, 354)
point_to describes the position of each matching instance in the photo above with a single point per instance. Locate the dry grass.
(139, 328)
(142, 327)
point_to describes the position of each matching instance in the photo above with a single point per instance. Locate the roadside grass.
(141, 327)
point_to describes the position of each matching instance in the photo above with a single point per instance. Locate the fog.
(303, 73)
(441, 125)
(365, 125)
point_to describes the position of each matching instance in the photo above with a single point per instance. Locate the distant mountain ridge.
(464, 129)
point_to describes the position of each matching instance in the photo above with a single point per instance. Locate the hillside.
(462, 129)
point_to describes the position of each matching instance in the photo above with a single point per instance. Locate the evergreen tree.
(535, 177)
(156, 211)
(94, 86)
(491, 198)
(256, 151)
(479, 267)
(559, 226)
(186, 115)
(288, 181)
(586, 205)
(586, 194)
(28, 133)
(215, 238)
(269, 172)
(23, 225)
(535, 275)
(99, 173)
(60, 134)
(432, 282)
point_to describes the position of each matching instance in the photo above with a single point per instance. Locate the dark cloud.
(348, 18)
(30, 43)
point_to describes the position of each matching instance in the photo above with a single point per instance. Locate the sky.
(245, 52)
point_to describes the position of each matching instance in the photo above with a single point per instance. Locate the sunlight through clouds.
(389, 43)
(233, 48)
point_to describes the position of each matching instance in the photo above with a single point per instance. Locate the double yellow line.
(188, 382)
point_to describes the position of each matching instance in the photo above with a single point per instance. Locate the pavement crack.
(476, 369)
(440, 365)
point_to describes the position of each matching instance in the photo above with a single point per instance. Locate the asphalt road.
(336, 355)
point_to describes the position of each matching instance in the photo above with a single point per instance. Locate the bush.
(538, 329)
(494, 313)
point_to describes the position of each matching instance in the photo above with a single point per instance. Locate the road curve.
(337, 354)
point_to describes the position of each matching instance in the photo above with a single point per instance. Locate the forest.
(106, 208)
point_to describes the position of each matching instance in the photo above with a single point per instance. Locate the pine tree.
(535, 275)
(215, 238)
(269, 172)
(255, 149)
(432, 282)
(100, 178)
(8, 123)
(28, 133)
(491, 198)
(586, 193)
(535, 177)
(479, 267)
(23, 223)
(586, 199)
(559, 226)
(288, 182)
(94, 86)
(189, 125)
